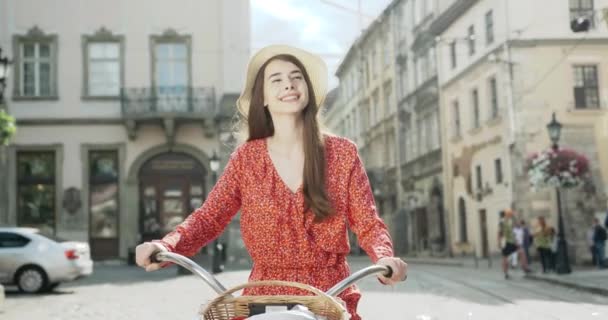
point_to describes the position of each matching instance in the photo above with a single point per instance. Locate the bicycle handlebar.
(192, 266)
(162, 256)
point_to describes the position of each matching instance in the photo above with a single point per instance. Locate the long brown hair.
(260, 125)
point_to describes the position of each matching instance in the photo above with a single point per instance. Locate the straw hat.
(315, 67)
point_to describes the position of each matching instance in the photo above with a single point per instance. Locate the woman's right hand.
(144, 251)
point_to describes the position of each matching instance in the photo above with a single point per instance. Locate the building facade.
(365, 111)
(120, 106)
(505, 67)
(419, 125)
(389, 106)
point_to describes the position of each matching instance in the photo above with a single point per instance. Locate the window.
(103, 64)
(417, 74)
(171, 65)
(498, 170)
(36, 190)
(171, 70)
(379, 108)
(432, 62)
(355, 124)
(475, 102)
(388, 101)
(424, 66)
(12, 240)
(453, 54)
(489, 27)
(428, 134)
(493, 98)
(403, 80)
(456, 110)
(36, 65)
(462, 213)
(471, 40)
(386, 53)
(479, 178)
(407, 150)
(586, 93)
(422, 135)
(372, 64)
(582, 8)
(370, 114)
(103, 186)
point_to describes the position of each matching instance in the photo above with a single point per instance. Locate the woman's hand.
(399, 270)
(144, 251)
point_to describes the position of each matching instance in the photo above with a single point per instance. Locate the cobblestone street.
(432, 292)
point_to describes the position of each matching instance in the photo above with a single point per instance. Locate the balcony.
(169, 107)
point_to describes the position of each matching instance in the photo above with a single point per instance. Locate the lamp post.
(216, 260)
(4, 73)
(562, 261)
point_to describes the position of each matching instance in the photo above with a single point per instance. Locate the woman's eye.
(298, 77)
(276, 80)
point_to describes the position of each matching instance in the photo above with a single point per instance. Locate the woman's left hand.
(399, 270)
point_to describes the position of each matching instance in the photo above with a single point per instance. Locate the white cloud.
(314, 25)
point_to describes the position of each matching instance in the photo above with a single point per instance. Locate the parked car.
(36, 262)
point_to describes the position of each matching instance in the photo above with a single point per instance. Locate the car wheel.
(31, 280)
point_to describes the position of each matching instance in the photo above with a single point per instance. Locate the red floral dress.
(281, 237)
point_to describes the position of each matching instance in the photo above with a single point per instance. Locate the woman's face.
(285, 90)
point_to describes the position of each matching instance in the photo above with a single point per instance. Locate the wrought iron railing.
(176, 101)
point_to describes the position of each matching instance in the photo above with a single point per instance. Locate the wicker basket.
(227, 307)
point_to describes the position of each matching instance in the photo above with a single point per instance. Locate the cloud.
(317, 26)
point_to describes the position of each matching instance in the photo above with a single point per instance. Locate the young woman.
(298, 189)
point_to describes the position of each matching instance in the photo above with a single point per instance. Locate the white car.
(36, 262)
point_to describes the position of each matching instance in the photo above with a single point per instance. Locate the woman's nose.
(289, 85)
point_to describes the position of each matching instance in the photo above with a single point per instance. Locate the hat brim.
(314, 65)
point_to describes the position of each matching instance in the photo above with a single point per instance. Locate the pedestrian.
(518, 232)
(553, 240)
(599, 242)
(591, 244)
(527, 240)
(298, 189)
(506, 237)
(543, 244)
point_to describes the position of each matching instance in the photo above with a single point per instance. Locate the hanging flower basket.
(7, 127)
(562, 168)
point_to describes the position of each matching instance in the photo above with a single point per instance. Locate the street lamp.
(555, 130)
(562, 261)
(216, 261)
(4, 73)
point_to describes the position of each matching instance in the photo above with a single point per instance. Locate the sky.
(325, 27)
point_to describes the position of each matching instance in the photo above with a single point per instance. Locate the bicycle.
(226, 306)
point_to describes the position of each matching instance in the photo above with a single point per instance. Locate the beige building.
(419, 125)
(505, 67)
(388, 105)
(120, 106)
(365, 111)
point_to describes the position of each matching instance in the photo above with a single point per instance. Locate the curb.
(595, 290)
(437, 262)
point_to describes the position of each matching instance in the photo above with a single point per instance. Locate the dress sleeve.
(209, 221)
(363, 218)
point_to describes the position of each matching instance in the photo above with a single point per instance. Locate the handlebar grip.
(389, 272)
(154, 258)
